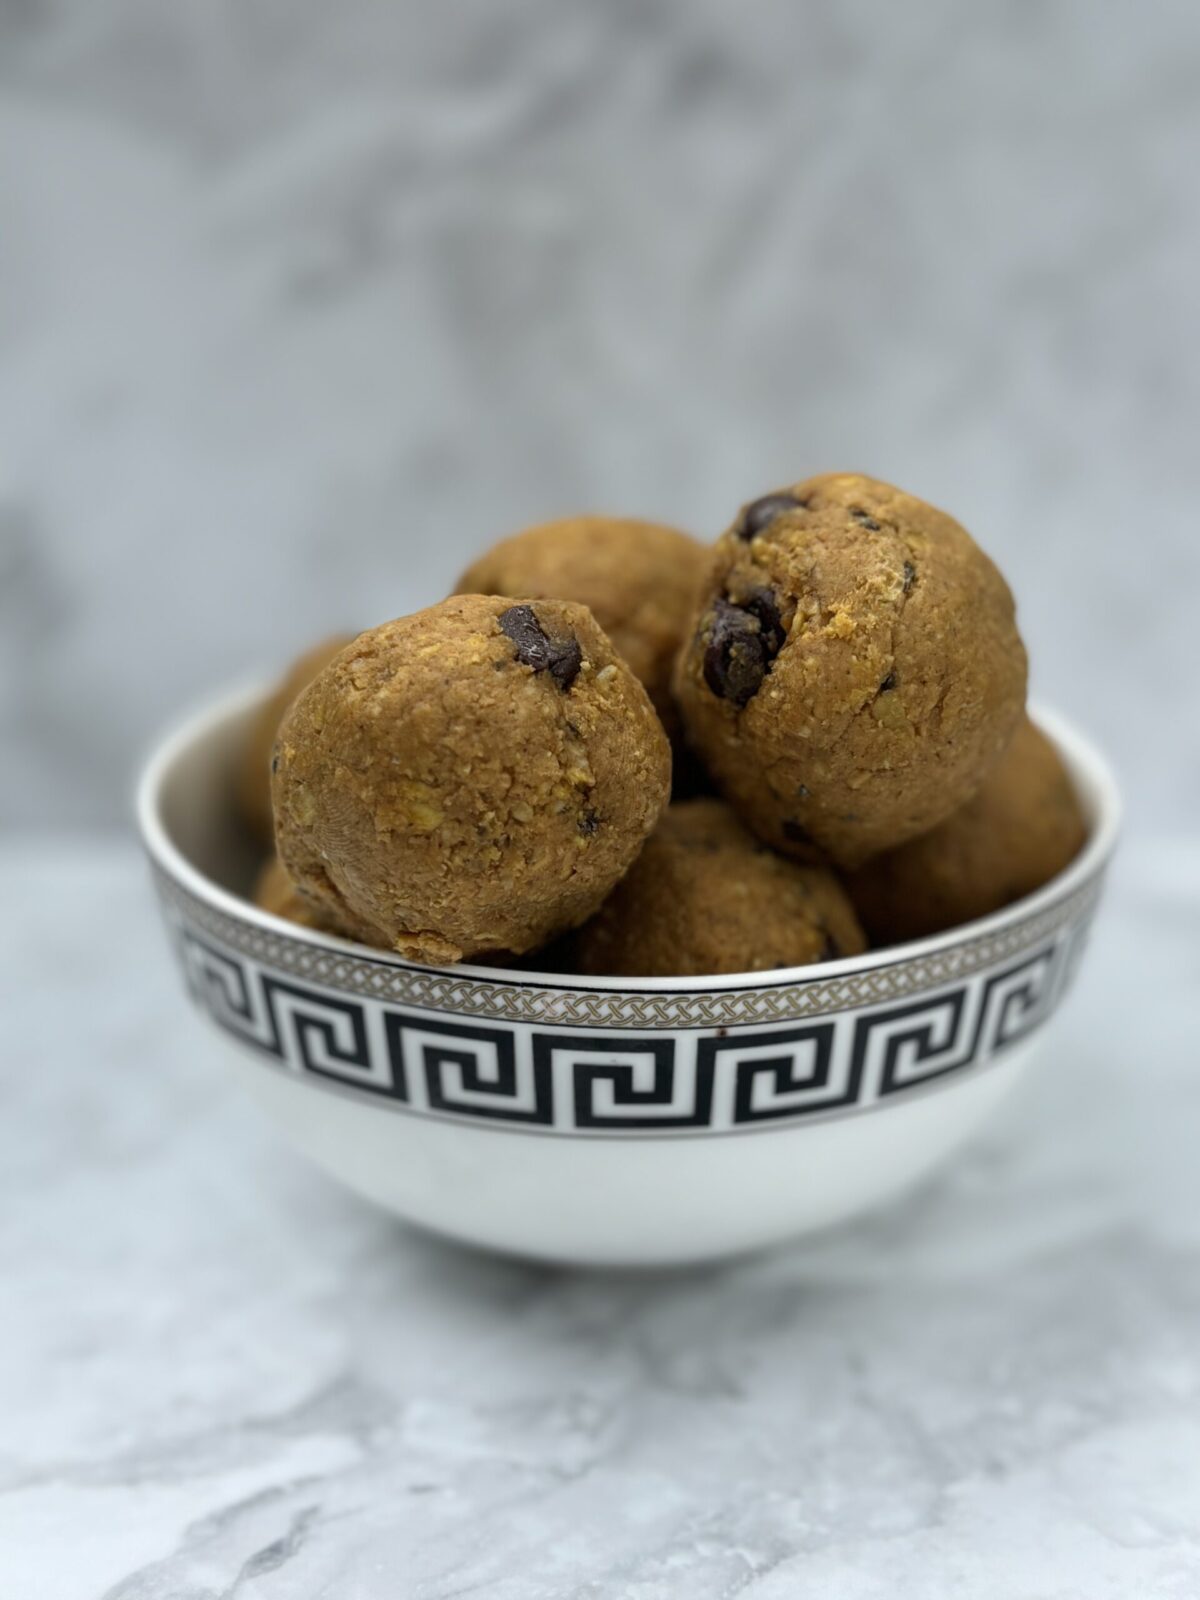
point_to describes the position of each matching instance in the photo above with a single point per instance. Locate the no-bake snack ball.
(639, 579)
(855, 670)
(275, 892)
(472, 778)
(254, 774)
(1024, 826)
(706, 896)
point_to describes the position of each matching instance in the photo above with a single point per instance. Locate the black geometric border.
(1037, 1003)
(781, 1068)
(586, 1074)
(924, 1015)
(398, 1025)
(303, 1027)
(248, 1002)
(231, 1010)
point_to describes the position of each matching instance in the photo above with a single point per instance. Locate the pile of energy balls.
(617, 751)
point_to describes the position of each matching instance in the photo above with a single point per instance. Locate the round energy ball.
(640, 580)
(254, 773)
(472, 778)
(855, 670)
(1022, 828)
(275, 892)
(706, 896)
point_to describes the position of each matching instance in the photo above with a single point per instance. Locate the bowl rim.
(1088, 768)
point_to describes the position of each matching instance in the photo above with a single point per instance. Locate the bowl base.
(595, 1201)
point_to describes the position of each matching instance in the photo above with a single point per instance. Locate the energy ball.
(472, 778)
(855, 671)
(706, 896)
(275, 892)
(254, 773)
(1022, 828)
(640, 580)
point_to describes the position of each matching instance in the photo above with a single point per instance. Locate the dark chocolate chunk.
(561, 658)
(761, 603)
(802, 792)
(830, 950)
(796, 833)
(735, 659)
(742, 643)
(275, 759)
(760, 514)
(889, 682)
(566, 658)
(588, 822)
(865, 517)
(910, 576)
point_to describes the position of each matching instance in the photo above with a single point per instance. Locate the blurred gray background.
(303, 303)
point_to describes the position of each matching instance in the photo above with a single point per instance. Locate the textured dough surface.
(275, 892)
(706, 896)
(466, 789)
(640, 580)
(254, 775)
(855, 670)
(1022, 828)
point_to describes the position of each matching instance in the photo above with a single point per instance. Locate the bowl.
(617, 1121)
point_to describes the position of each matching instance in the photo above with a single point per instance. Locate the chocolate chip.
(794, 832)
(743, 642)
(738, 653)
(761, 603)
(865, 517)
(889, 682)
(830, 950)
(561, 658)
(802, 792)
(275, 759)
(760, 514)
(588, 823)
(910, 576)
(565, 661)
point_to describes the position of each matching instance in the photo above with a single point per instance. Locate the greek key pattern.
(389, 980)
(554, 1079)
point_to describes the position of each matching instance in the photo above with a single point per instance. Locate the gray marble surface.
(222, 1377)
(301, 303)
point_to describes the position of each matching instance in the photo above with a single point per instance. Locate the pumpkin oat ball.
(706, 896)
(472, 778)
(254, 775)
(640, 581)
(854, 672)
(275, 892)
(1022, 828)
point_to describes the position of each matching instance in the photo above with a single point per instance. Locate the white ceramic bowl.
(627, 1121)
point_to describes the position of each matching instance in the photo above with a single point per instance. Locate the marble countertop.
(222, 1377)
